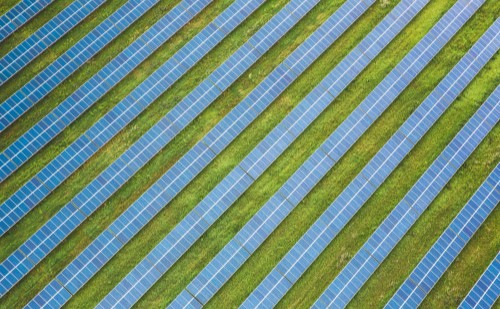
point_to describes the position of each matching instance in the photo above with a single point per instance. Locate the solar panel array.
(48, 34)
(124, 112)
(227, 262)
(445, 250)
(198, 220)
(45, 239)
(139, 214)
(330, 223)
(266, 220)
(398, 222)
(20, 14)
(16, 154)
(65, 65)
(486, 290)
(36, 189)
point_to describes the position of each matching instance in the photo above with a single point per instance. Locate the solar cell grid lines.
(45, 239)
(53, 175)
(123, 113)
(87, 222)
(398, 222)
(328, 225)
(20, 14)
(44, 37)
(451, 242)
(197, 221)
(138, 215)
(227, 262)
(486, 290)
(54, 74)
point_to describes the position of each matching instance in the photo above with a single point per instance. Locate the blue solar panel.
(227, 191)
(444, 251)
(20, 14)
(486, 290)
(316, 239)
(82, 149)
(399, 221)
(44, 37)
(305, 178)
(95, 193)
(138, 215)
(57, 72)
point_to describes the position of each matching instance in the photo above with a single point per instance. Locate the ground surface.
(448, 292)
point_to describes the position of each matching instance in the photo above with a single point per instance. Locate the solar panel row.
(197, 221)
(32, 141)
(124, 112)
(486, 290)
(330, 223)
(261, 225)
(50, 177)
(398, 222)
(48, 79)
(252, 235)
(45, 239)
(445, 250)
(43, 38)
(99, 252)
(20, 14)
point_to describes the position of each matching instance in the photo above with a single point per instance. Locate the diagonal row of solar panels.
(205, 150)
(486, 290)
(398, 222)
(308, 175)
(445, 250)
(35, 190)
(212, 206)
(37, 88)
(20, 14)
(48, 34)
(323, 231)
(42, 84)
(124, 112)
(40, 244)
(99, 252)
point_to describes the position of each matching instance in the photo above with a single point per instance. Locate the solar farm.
(249, 153)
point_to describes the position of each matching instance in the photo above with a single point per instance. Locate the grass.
(393, 271)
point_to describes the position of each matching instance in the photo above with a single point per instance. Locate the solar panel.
(330, 223)
(197, 221)
(77, 273)
(65, 113)
(398, 222)
(139, 214)
(20, 14)
(486, 290)
(223, 77)
(82, 205)
(117, 118)
(43, 38)
(451, 242)
(308, 175)
(54, 174)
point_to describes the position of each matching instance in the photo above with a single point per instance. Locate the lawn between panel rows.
(378, 290)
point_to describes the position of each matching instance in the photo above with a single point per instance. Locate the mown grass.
(7, 5)
(398, 265)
